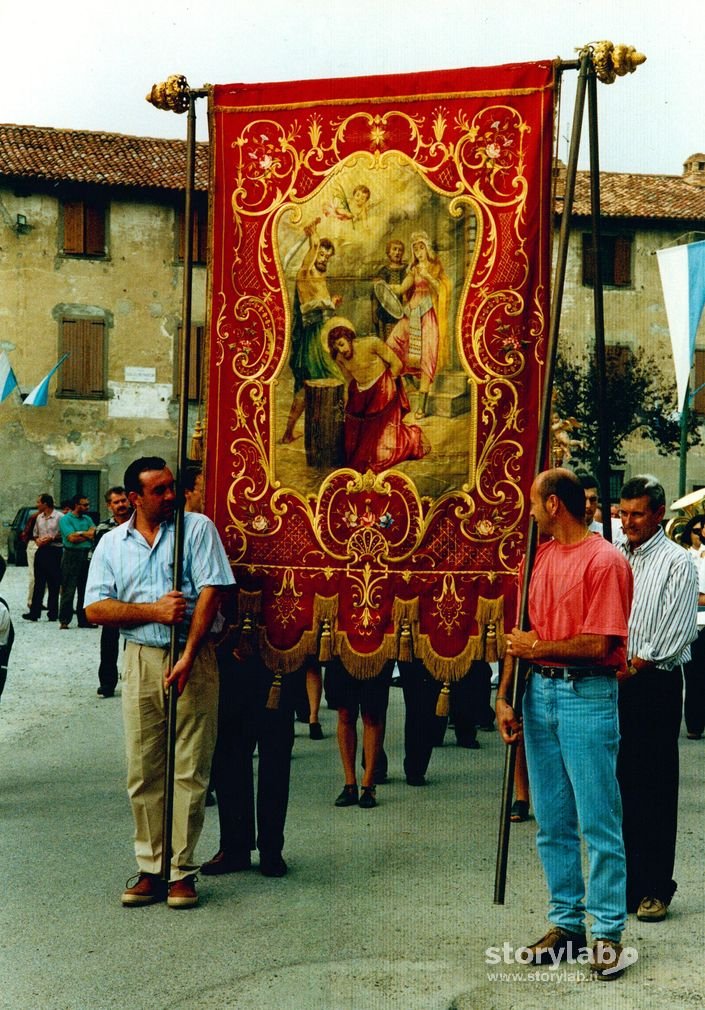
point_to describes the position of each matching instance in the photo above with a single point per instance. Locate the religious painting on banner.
(380, 252)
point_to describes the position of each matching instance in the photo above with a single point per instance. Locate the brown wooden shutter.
(196, 349)
(73, 226)
(622, 261)
(587, 259)
(94, 230)
(83, 372)
(199, 238)
(618, 358)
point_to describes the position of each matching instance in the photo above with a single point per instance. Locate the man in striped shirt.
(661, 627)
(130, 587)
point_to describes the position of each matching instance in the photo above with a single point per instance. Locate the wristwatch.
(632, 670)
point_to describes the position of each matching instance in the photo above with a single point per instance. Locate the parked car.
(16, 549)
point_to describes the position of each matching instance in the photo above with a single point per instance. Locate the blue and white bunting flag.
(8, 380)
(40, 394)
(682, 270)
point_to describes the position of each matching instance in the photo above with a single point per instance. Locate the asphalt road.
(387, 909)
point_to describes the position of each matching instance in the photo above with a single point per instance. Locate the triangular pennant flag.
(40, 394)
(682, 270)
(8, 381)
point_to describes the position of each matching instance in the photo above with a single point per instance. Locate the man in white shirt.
(47, 560)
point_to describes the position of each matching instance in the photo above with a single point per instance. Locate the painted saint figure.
(313, 306)
(376, 436)
(392, 273)
(420, 339)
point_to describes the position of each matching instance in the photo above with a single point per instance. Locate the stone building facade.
(91, 264)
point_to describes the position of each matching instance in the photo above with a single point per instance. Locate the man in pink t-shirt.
(580, 597)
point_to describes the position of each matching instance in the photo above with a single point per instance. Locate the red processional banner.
(379, 290)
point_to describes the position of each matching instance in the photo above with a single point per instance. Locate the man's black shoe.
(415, 780)
(28, 617)
(469, 742)
(348, 797)
(272, 866)
(105, 693)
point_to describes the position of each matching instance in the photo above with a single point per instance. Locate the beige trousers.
(144, 714)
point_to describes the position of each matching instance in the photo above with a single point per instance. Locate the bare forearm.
(527, 645)
(116, 614)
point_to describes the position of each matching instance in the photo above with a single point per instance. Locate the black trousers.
(245, 723)
(647, 770)
(47, 575)
(694, 671)
(109, 652)
(423, 729)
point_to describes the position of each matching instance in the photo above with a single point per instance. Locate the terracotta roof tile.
(115, 159)
(109, 159)
(628, 195)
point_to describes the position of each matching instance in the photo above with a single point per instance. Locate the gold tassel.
(275, 692)
(196, 449)
(405, 650)
(246, 645)
(325, 649)
(490, 655)
(443, 703)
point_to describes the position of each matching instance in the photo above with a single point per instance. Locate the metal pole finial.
(172, 95)
(612, 61)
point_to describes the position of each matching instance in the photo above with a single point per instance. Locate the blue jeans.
(571, 729)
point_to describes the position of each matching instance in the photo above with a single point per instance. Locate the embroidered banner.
(380, 255)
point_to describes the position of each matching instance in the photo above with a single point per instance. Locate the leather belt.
(573, 672)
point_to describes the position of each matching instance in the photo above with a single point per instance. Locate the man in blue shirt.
(77, 532)
(129, 587)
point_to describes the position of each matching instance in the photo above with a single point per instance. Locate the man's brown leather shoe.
(606, 960)
(182, 893)
(147, 889)
(652, 910)
(222, 862)
(557, 945)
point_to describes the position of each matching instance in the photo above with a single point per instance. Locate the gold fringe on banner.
(406, 643)
(443, 703)
(325, 608)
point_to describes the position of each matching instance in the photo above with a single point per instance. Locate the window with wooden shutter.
(615, 260)
(618, 358)
(82, 375)
(196, 352)
(200, 233)
(84, 228)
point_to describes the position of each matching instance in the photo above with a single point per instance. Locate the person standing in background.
(120, 511)
(47, 560)
(77, 533)
(662, 624)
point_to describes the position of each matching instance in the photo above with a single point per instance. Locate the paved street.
(388, 909)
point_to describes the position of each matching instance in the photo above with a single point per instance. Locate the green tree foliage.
(639, 401)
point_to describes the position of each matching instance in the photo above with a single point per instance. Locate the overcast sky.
(86, 65)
